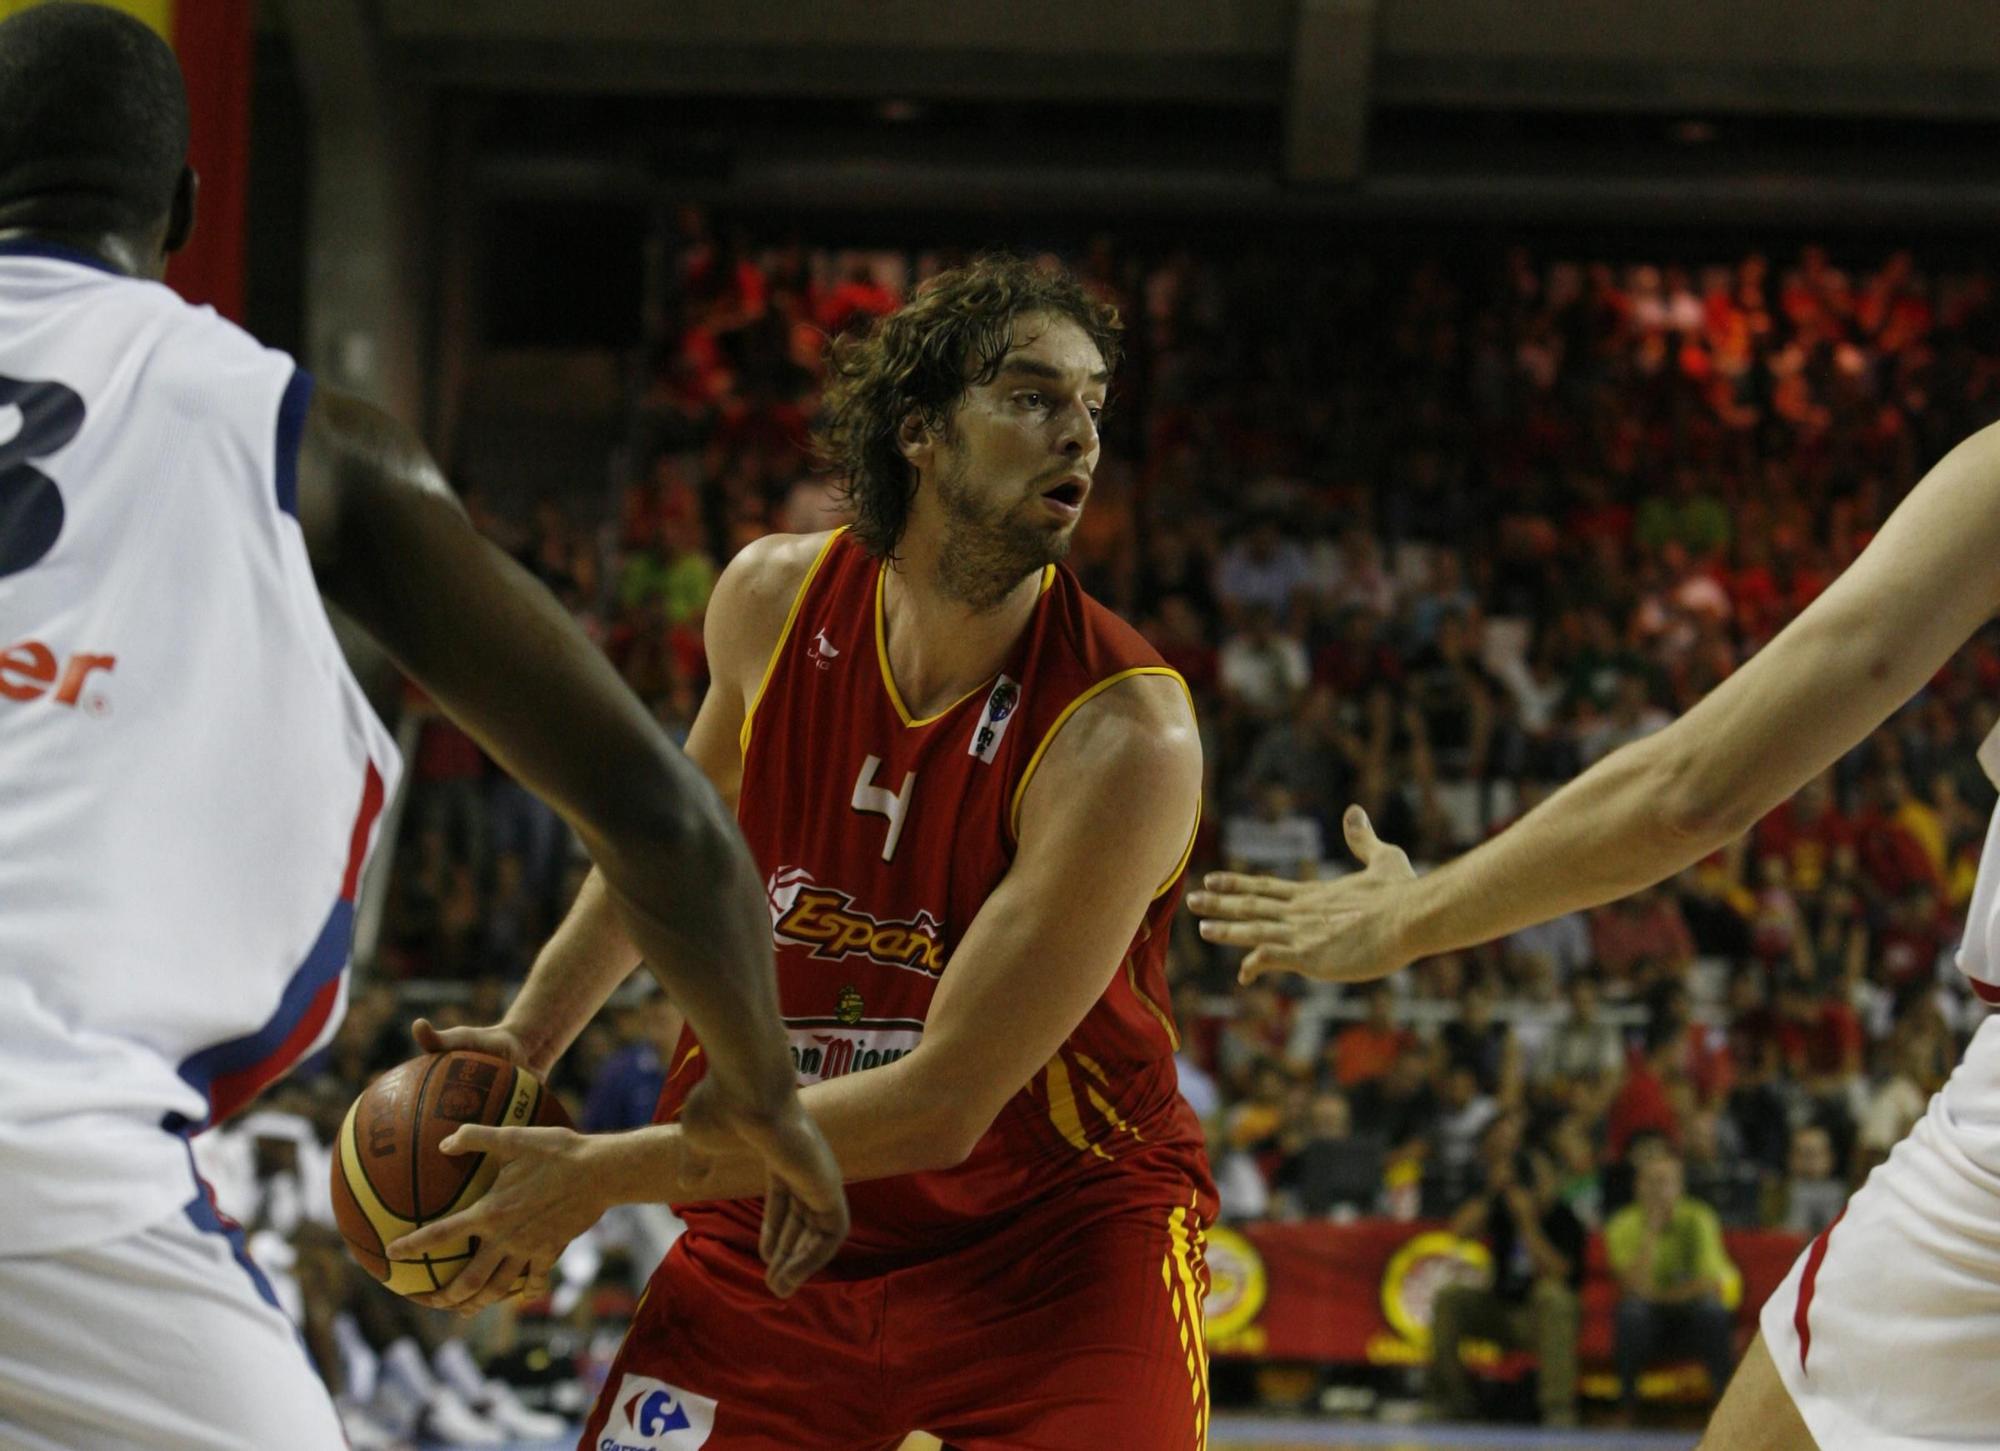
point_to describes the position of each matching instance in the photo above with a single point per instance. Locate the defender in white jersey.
(190, 777)
(1885, 1336)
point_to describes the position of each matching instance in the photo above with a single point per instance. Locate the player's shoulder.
(1139, 719)
(754, 595)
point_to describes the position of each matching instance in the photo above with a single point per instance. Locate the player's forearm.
(709, 943)
(1646, 811)
(580, 967)
(868, 1119)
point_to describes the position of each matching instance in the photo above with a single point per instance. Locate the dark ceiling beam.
(1326, 112)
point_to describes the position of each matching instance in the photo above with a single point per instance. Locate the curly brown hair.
(921, 360)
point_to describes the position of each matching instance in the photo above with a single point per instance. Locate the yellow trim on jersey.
(1063, 1111)
(1184, 1246)
(888, 676)
(1187, 853)
(1049, 736)
(791, 617)
(1166, 1022)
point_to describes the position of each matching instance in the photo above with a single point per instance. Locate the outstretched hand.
(1350, 929)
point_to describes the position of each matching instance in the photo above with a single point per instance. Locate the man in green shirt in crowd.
(1666, 1250)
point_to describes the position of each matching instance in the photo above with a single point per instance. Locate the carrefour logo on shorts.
(650, 1415)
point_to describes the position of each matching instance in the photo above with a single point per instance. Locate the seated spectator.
(1643, 932)
(1261, 670)
(1667, 1254)
(1586, 1048)
(1329, 1170)
(1363, 1051)
(1479, 1041)
(1579, 1184)
(1275, 839)
(1263, 571)
(1537, 1245)
(1644, 1105)
(1464, 1113)
(1814, 1193)
(1400, 1104)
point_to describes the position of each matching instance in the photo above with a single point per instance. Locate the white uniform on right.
(1887, 1330)
(189, 783)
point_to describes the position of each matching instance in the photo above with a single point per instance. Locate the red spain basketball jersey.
(881, 837)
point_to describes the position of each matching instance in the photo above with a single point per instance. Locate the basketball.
(390, 1176)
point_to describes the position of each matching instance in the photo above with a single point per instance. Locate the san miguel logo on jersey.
(824, 1048)
(827, 921)
(1000, 703)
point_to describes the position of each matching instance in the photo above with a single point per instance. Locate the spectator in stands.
(1814, 1193)
(1362, 1052)
(1537, 1247)
(1329, 1170)
(1585, 1049)
(1666, 1251)
(1275, 838)
(1464, 1114)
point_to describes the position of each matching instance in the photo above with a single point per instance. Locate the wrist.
(539, 1048)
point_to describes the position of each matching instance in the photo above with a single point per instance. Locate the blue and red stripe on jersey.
(232, 1073)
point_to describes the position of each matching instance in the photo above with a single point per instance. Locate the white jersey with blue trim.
(189, 774)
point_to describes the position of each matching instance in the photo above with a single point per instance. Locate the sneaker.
(365, 1433)
(503, 1406)
(449, 1419)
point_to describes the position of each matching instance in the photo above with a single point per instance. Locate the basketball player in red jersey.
(973, 791)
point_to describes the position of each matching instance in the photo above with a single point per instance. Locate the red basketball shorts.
(1069, 1329)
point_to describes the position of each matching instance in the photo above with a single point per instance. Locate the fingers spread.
(1245, 934)
(468, 1282)
(452, 1229)
(1236, 906)
(1258, 886)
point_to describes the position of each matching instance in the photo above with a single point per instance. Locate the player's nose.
(1079, 431)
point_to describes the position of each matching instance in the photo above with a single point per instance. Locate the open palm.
(1349, 929)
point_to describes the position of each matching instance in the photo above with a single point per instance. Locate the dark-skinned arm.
(392, 547)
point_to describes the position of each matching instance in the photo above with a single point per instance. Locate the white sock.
(456, 1367)
(405, 1364)
(360, 1366)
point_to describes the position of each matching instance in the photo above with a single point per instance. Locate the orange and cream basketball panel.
(390, 1176)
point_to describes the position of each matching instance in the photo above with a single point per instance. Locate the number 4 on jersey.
(883, 802)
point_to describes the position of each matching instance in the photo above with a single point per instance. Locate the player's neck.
(940, 646)
(114, 249)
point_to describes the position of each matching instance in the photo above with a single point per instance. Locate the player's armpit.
(1106, 821)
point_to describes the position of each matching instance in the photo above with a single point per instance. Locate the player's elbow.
(1698, 800)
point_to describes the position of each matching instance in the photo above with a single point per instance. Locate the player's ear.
(180, 219)
(915, 439)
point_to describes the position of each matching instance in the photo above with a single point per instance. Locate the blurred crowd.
(1429, 533)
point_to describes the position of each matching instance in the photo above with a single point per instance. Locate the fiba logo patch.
(1000, 704)
(650, 1415)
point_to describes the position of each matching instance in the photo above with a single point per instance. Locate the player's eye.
(1032, 400)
